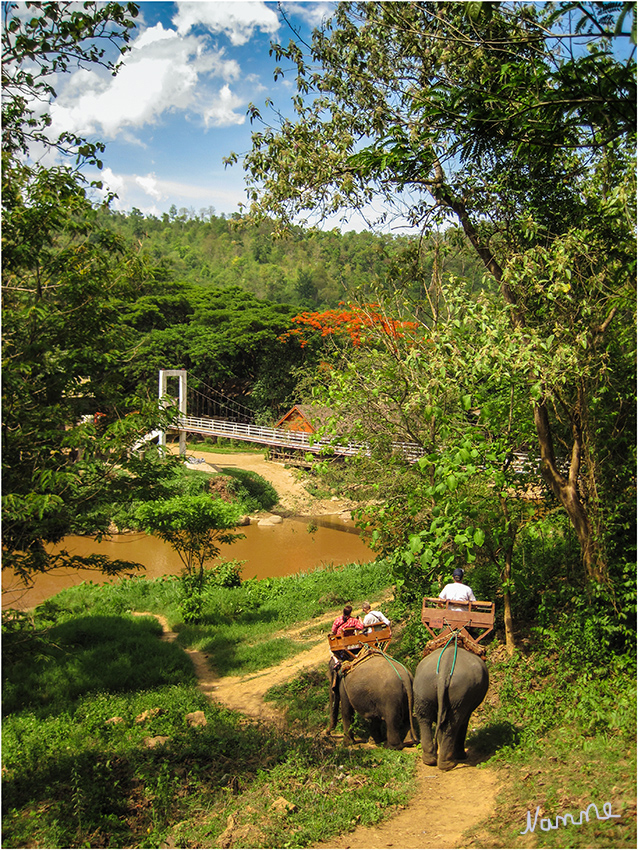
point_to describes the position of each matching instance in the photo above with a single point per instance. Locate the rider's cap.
(458, 573)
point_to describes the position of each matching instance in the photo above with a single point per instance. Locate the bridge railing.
(301, 440)
(264, 435)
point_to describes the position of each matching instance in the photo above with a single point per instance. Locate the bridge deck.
(281, 437)
(300, 440)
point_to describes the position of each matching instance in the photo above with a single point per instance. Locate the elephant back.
(367, 654)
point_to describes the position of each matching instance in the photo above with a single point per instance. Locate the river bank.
(294, 498)
(309, 533)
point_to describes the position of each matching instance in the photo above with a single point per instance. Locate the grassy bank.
(105, 744)
(222, 445)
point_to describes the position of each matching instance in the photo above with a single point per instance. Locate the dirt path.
(293, 496)
(445, 806)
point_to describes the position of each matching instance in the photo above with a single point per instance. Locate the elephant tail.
(442, 687)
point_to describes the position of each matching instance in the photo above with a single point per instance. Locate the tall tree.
(62, 288)
(518, 122)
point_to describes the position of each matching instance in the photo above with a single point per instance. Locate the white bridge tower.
(166, 400)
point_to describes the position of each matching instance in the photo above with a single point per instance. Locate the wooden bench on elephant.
(350, 641)
(438, 614)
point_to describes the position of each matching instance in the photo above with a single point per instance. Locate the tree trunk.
(510, 634)
(566, 490)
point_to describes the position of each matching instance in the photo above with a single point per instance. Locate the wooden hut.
(304, 417)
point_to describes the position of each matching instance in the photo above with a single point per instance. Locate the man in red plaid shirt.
(346, 621)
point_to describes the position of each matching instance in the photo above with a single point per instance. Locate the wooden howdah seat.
(442, 622)
(350, 641)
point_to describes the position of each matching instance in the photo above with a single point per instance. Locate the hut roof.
(313, 416)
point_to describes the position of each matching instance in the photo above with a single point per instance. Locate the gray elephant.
(378, 688)
(448, 698)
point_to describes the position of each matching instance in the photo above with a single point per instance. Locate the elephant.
(448, 698)
(380, 689)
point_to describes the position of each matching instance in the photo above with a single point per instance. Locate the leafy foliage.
(486, 115)
(64, 281)
(309, 269)
(47, 41)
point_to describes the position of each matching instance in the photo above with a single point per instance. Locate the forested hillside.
(218, 294)
(307, 269)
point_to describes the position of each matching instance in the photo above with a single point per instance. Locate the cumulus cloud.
(221, 112)
(152, 194)
(165, 71)
(313, 13)
(150, 185)
(237, 20)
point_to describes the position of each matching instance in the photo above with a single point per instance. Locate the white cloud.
(313, 13)
(150, 193)
(220, 113)
(150, 185)
(111, 182)
(163, 72)
(237, 19)
(152, 34)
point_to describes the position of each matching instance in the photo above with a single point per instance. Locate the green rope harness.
(454, 636)
(390, 661)
(369, 652)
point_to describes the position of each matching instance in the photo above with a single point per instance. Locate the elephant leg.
(447, 741)
(376, 730)
(393, 722)
(428, 744)
(459, 743)
(334, 710)
(335, 688)
(347, 715)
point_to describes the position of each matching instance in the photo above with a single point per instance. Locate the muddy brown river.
(268, 551)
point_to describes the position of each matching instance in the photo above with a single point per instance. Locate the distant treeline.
(214, 296)
(309, 269)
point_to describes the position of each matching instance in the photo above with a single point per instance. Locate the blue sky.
(179, 103)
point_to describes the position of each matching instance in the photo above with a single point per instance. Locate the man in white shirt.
(371, 618)
(457, 592)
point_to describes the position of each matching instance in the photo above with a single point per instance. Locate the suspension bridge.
(237, 423)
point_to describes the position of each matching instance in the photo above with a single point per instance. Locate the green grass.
(561, 740)
(224, 446)
(253, 491)
(304, 700)
(93, 652)
(86, 695)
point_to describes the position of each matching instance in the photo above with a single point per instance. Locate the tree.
(521, 128)
(195, 526)
(68, 426)
(450, 389)
(36, 47)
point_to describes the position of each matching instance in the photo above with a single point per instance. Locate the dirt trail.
(293, 497)
(446, 804)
